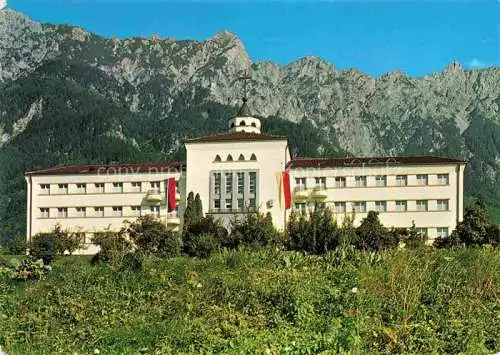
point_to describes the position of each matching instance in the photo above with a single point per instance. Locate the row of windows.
(82, 212)
(441, 232)
(379, 206)
(240, 182)
(228, 206)
(100, 187)
(380, 180)
(229, 157)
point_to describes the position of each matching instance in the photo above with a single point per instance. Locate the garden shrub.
(151, 236)
(253, 230)
(315, 233)
(47, 246)
(16, 245)
(372, 235)
(204, 236)
(114, 246)
(44, 246)
(30, 269)
(475, 229)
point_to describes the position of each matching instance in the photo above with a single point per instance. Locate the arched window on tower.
(241, 157)
(253, 124)
(217, 158)
(243, 123)
(232, 124)
(253, 157)
(229, 157)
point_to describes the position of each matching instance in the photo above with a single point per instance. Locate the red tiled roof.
(370, 161)
(112, 169)
(235, 137)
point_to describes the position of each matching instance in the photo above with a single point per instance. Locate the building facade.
(237, 172)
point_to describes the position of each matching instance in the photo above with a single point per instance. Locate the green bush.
(152, 237)
(371, 235)
(204, 236)
(475, 229)
(315, 233)
(44, 246)
(16, 245)
(30, 269)
(114, 246)
(253, 230)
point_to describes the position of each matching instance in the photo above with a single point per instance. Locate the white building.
(237, 171)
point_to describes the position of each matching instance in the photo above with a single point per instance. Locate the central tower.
(243, 121)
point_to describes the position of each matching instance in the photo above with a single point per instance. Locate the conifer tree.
(189, 213)
(198, 208)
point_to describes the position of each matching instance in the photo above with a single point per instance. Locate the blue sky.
(418, 37)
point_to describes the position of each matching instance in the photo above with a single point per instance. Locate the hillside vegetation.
(268, 301)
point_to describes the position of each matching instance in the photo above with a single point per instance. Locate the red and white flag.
(284, 193)
(171, 190)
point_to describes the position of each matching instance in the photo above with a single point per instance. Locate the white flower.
(354, 290)
(96, 351)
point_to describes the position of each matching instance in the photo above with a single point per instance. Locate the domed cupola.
(243, 121)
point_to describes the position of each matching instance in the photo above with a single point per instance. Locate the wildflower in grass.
(354, 290)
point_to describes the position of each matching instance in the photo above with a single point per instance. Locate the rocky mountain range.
(70, 96)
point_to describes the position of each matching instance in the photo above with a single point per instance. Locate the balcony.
(300, 193)
(172, 219)
(154, 196)
(319, 192)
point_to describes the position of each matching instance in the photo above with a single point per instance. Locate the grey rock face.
(391, 114)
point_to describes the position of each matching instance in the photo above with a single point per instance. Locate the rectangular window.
(321, 182)
(442, 232)
(253, 182)
(380, 206)
(63, 188)
(117, 211)
(136, 186)
(229, 183)
(300, 184)
(401, 206)
(217, 204)
(422, 205)
(81, 188)
(62, 212)
(45, 189)
(44, 213)
(252, 204)
(300, 206)
(360, 206)
(99, 211)
(117, 187)
(81, 211)
(401, 180)
(381, 180)
(229, 204)
(360, 181)
(340, 207)
(154, 210)
(340, 181)
(155, 186)
(241, 183)
(442, 205)
(422, 179)
(241, 205)
(99, 188)
(443, 179)
(217, 181)
(421, 231)
(136, 211)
